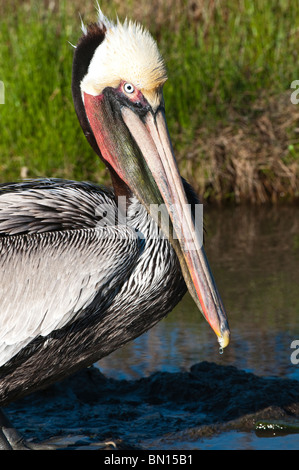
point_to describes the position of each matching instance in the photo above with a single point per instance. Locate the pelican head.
(128, 58)
(118, 78)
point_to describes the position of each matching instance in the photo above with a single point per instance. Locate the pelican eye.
(129, 88)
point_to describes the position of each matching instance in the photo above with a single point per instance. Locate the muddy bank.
(89, 408)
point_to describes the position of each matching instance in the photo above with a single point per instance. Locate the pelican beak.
(138, 147)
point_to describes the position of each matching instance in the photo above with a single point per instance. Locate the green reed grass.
(246, 47)
(220, 56)
(39, 128)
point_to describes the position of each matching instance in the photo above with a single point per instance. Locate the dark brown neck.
(82, 57)
(121, 190)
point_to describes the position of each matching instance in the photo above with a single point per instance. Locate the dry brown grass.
(248, 159)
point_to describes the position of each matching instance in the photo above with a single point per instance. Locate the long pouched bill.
(153, 140)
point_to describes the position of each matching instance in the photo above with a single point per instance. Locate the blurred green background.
(230, 64)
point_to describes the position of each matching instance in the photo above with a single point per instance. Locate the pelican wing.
(48, 279)
(45, 205)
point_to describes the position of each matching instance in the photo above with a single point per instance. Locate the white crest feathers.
(127, 53)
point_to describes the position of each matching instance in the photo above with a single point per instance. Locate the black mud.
(154, 412)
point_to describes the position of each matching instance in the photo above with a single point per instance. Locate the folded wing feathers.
(48, 278)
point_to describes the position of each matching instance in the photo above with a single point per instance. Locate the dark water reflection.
(254, 255)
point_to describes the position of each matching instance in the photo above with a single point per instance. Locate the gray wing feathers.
(44, 205)
(47, 279)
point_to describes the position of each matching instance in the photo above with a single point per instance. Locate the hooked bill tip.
(223, 340)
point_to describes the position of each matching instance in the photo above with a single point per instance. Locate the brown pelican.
(85, 269)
